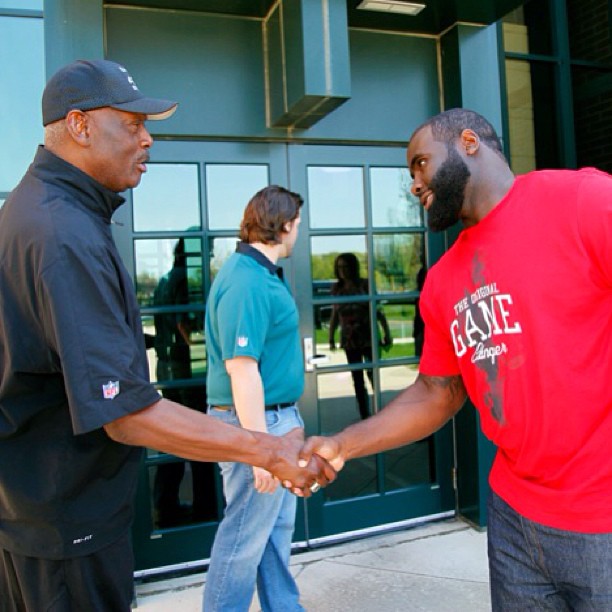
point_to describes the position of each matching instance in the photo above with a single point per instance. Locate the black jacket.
(72, 359)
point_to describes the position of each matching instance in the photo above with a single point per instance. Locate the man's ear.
(470, 141)
(77, 125)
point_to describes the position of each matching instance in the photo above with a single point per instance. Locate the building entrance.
(356, 273)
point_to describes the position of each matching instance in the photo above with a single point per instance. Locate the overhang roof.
(435, 18)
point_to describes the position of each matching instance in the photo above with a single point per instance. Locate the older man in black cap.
(76, 403)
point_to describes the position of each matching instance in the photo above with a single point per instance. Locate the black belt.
(268, 406)
(279, 406)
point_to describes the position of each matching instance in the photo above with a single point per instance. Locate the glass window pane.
(520, 116)
(405, 330)
(338, 408)
(220, 251)
(589, 29)
(397, 261)
(176, 352)
(23, 80)
(182, 492)
(169, 271)
(399, 332)
(531, 90)
(229, 187)
(410, 465)
(324, 252)
(343, 332)
(528, 29)
(336, 197)
(167, 199)
(413, 464)
(592, 114)
(392, 203)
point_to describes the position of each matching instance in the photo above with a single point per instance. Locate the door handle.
(311, 360)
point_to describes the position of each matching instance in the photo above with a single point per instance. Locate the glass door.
(176, 230)
(356, 273)
(359, 264)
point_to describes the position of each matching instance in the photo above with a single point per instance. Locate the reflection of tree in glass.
(414, 210)
(323, 265)
(145, 286)
(193, 262)
(408, 211)
(397, 260)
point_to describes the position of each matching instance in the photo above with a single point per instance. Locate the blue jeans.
(533, 567)
(253, 542)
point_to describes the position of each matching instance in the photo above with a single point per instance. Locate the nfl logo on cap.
(110, 390)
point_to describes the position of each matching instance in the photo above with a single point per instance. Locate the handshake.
(305, 466)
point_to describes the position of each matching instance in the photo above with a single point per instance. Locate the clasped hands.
(302, 467)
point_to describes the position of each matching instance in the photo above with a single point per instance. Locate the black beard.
(448, 187)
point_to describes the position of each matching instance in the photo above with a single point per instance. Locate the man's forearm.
(175, 429)
(172, 428)
(247, 392)
(414, 414)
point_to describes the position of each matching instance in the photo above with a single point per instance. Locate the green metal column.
(471, 71)
(74, 29)
(563, 76)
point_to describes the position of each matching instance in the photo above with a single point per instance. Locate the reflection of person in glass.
(418, 330)
(354, 322)
(172, 346)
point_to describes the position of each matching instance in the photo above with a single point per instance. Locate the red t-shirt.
(521, 307)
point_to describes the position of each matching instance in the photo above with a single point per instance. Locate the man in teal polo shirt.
(255, 377)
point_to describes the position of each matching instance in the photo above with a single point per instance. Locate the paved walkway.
(437, 567)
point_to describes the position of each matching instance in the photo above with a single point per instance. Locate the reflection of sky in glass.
(22, 53)
(392, 203)
(220, 250)
(155, 257)
(229, 189)
(167, 198)
(335, 197)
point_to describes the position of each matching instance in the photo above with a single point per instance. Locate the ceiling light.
(391, 6)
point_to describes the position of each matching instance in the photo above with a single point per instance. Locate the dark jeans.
(100, 582)
(533, 567)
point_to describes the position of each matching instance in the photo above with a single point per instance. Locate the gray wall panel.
(214, 67)
(394, 88)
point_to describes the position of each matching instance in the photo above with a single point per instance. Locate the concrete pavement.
(436, 567)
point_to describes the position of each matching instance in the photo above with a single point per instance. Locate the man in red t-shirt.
(518, 316)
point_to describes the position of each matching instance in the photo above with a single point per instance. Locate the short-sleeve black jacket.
(72, 358)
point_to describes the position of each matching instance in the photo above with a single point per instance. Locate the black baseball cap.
(89, 84)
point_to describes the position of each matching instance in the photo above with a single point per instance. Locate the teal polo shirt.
(251, 313)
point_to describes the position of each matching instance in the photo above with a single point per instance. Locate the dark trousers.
(100, 582)
(359, 355)
(534, 567)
